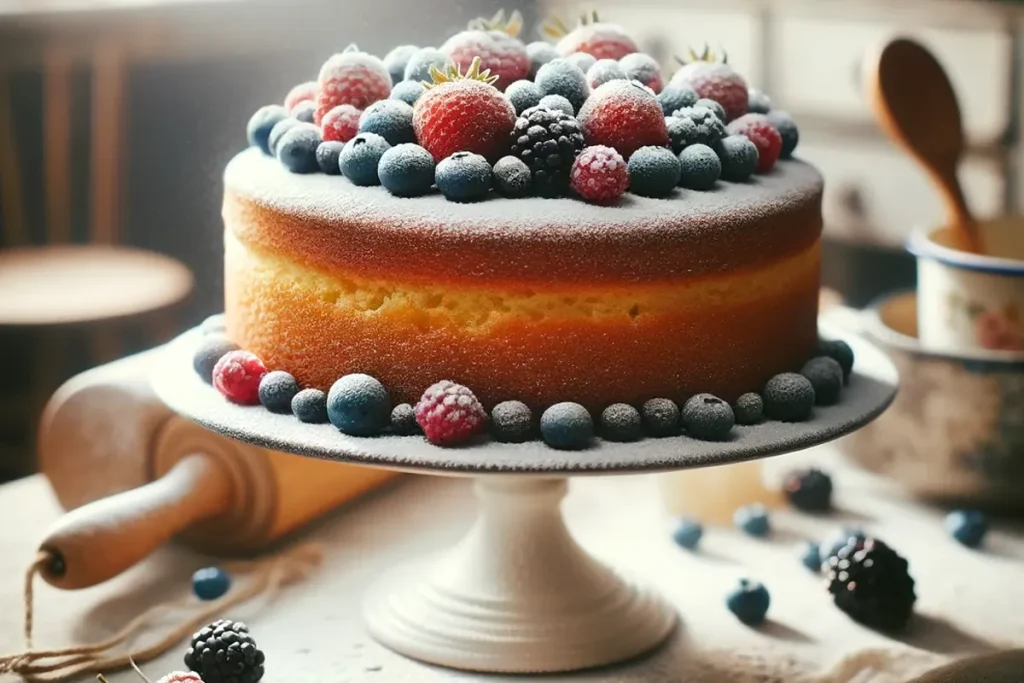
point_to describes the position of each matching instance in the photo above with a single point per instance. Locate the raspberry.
(181, 677)
(341, 123)
(597, 38)
(625, 115)
(303, 92)
(494, 42)
(599, 174)
(449, 413)
(715, 81)
(759, 130)
(237, 376)
(351, 77)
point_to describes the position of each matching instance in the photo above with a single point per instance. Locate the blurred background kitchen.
(118, 116)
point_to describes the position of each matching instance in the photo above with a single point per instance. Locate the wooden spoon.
(915, 105)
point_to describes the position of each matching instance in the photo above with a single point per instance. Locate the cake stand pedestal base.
(517, 594)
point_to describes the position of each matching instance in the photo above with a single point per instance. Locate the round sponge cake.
(540, 300)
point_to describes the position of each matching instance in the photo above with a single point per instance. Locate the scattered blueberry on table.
(210, 583)
(810, 556)
(753, 520)
(749, 601)
(688, 533)
(967, 526)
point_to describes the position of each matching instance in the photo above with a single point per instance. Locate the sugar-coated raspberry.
(360, 158)
(540, 53)
(599, 174)
(181, 677)
(450, 413)
(512, 177)
(677, 96)
(397, 59)
(523, 95)
(653, 172)
(418, 67)
(341, 123)
(624, 115)
(716, 81)
(297, 148)
(351, 77)
(784, 123)
(763, 134)
(699, 168)
(390, 119)
(642, 67)
(583, 60)
(303, 111)
(327, 156)
(604, 70)
(738, 156)
(303, 92)
(408, 91)
(261, 123)
(463, 177)
(562, 77)
(237, 376)
(209, 351)
(406, 170)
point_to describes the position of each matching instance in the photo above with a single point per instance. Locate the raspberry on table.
(403, 420)
(738, 156)
(749, 602)
(660, 417)
(397, 59)
(237, 377)
(341, 123)
(540, 53)
(224, 652)
(567, 426)
(277, 389)
(360, 158)
(463, 177)
(406, 170)
(749, 409)
(562, 77)
(621, 422)
(303, 92)
(210, 350)
(624, 115)
(604, 70)
(297, 148)
(523, 95)
(418, 67)
(390, 119)
(763, 134)
(784, 123)
(707, 417)
(351, 77)
(788, 397)
(310, 405)
(583, 60)
(278, 131)
(257, 131)
(408, 91)
(826, 376)
(639, 66)
(547, 141)
(709, 128)
(328, 154)
(675, 97)
(358, 404)
(653, 172)
(758, 102)
(512, 178)
(699, 167)
(450, 413)
(715, 107)
(303, 111)
(599, 174)
(557, 102)
(512, 422)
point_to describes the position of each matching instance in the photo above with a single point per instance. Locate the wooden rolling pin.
(133, 474)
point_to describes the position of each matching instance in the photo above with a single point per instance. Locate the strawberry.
(714, 80)
(597, 38)
(340, 123)
(494, 41)
(463, 113)
(351, 77)
(759, 130)
(303, 92)
(625, 115)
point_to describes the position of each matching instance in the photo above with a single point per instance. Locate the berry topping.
(699, 167)
(494, 42)
(707, 417)
(358, 404)
(211, 350)
(621, 422)
(752, 519)
(463, 177)
(297, 148)
(303, 111)
(826, 376)
(597, 38)
(758, 102)
(237, 377)
(403, 420)
(967, 526)
(361, 156)
(547, 141)
(749, 602)
(749, 409)
(224, 652)
(738, 156)
(582, 60)
(810, 557)
(718, 109)
(567, 426)
(341, 124)
(303, 92)
(278, 131)
(450, 413)
(624, 115)
(715, 80)
(660, 417)
(788, 397)
(681, 133)
(390, 119)
(420, 64)
(408, 91)
(210, 583)
(328, 156)
(512, 177)
(558, 103)
(310, 405)
(562, 77)
(261, 123)
(397, 59)
(644, 68)
(653, 172)
(599, 174)
(869, 581)
(463, 113)
(406, 170)
(675, 97)
(540, 53)
(603, 71)
(351, 77)
(762, 133)
(688, 533)
(809, 489)
(512, 422)
(784, 123)
(277, 389)
(523, 95)
(839, 351)
(709, 128)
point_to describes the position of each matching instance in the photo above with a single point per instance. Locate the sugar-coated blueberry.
(213, 324)
(210, 583)
(699, 167)
(688, 533)
(278, 131)
(840, 352)
(408, 91)
(604, 70)
(277, 389)
(758, 102)
(304, 111)
(297, 148)
(826, 376)
(523, 95)
(540, 53)
(749, 601)
(397, 59)
(583, 60)
(677, 96)
(660, 417)
(640, 66)
(653, 171)
(209, 351)
(361, 156)
(567, 426)
(810, 556)
(358, 404)
(261, 123)
(512, 177)
(738, 156)
(403, 420)
(328, 154)
(714, 106)
(967, 526)
(707, 128)
(681, 133)
(463, 177)
(784, 123)
(310, 405)
(418, 66)
(752, 519)
(749, 409)
(512, 422)
(621, 422)
(788, 397)
(561, 77)
(707, 417)
(406, 170)
(390, 119)
(558, 103)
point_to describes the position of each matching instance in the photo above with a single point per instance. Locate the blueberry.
(276, 391)
(396, 60)
(540, 53)
(512, 422)
(297, 148)
(826, 376)
(327, 156)
(278, 131)
(556, 102)
(418, 66)
(639, 66)
(561, 77)
(358, 404)
(808, 489)
(738, 156)
(210, 583)
(714, 106)
(605, 70)
(967, 526)
(304, 111)
(784, 123)
(583, 60)
(660, 417)
(390, 119)
(214, 324)
(463, 177)
(406, 170)
(688, 533)
(749, 601)
(523, 95)
(841, 540)
(707, 417)
(707, 127)
(653, 171)
(621, 422)
(360, 157)
(567, 426)
(310, 405)
(758, 102)
(699, 167)
(408, 91)
(208, 353)
(840, 352)
(749, 409)
(788, 397)
(681, 133)
(675, 97)
(261, 123)
(403, 420)
(752, 519)
(512, 177)
(810, 556)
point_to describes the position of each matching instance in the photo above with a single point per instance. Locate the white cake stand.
(518, 594)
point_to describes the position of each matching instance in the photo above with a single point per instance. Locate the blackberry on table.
(547, 141)
(224, 652)
(869, 581)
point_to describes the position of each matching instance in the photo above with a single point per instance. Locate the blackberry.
(547, 141)
(809, 489)
(869, 581)
(224, 652)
